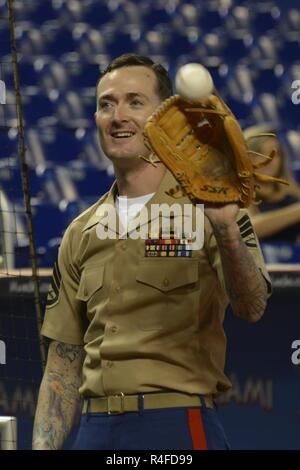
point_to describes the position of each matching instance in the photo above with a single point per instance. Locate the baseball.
(193, 82)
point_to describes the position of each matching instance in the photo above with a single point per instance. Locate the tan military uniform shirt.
(147, 323)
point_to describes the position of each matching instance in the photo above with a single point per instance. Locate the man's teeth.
(122, 134)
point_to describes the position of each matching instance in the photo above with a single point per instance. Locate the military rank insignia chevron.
(53, 292)
(247, 231)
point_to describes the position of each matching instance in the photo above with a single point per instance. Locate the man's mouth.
(122, 134)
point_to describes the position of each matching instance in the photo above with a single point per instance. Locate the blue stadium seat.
(59, 145)
(290, 50)
(156, 15)
(90, 182)
(291, 142)
(268, 80)
(89, 42)
(69, 110)
(210, 45)
(100, 12)
(155, 42)
(30, 40)
(36, 107)
(289, 112)
(186, 15)
(8, 111)
(11, 182)
(178, 44)
(241, 110)
(267, 17)
(59, 40)
(42, 12)
(237, 48)
(121, 42)
(52, 75)
(239, 19)
(290, 24)
(212, 19)
(239, 84)
(8, 144)
(5, 48)
(83, 74)
(48, 222)
(70, 11)
(264, 52)
(265, 109)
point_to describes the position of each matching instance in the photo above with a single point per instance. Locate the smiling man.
(138, 346)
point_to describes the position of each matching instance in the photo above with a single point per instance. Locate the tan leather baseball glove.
(202, 144)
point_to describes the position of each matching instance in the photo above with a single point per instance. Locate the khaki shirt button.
(113, 329)
(124, 246)
(166, 282)
(118, 288)
(109, 364)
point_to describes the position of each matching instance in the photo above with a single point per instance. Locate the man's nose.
(120, 113)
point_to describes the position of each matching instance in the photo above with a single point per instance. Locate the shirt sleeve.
(251, 241)
(65, 318)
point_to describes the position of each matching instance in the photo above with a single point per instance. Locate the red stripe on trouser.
(197, 429)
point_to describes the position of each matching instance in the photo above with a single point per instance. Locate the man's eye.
(137, 103)
(104, 105)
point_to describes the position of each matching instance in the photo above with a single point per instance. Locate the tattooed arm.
(245, 284)
(59, 402)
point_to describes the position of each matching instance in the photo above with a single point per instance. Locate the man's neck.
(140, 180)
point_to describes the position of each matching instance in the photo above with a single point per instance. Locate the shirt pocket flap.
(91, 281)
(167, 276)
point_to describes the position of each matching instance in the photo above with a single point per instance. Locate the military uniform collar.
(160, 197)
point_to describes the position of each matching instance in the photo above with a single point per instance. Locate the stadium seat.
(239, 19)
(267, 17)
(58, 40)
(156, 15)
(265, 109)
(237, 48)
(36, 107)
(211, 19)
(11, 182)
(290, 50)
(155, 42)
(100, 12)
(4, 39)
(59, 145)
(89, 182)
(267, 80)
(264, 52)
(289, 112)
(291, 142)
(30, 40)
(48, 222)
(89, 42)
(241, 110)
(8, 145)
(83, 74)
(69, 110)
(186, 15)
(290, 24)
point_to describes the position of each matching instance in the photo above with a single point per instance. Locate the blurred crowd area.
(250, 47)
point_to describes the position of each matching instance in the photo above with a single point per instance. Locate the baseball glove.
(202, 144)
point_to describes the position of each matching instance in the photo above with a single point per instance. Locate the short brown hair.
(164, 83)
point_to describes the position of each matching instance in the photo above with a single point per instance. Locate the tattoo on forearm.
(67, 351)
(246, 287)
(59, 400)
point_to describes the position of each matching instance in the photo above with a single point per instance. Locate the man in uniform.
(136, 323)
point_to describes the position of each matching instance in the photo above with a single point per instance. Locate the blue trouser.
(195, 428)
